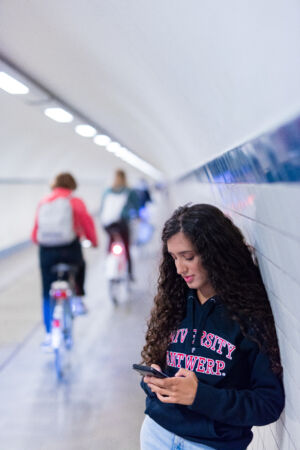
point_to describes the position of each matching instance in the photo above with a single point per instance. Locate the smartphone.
(146, 370)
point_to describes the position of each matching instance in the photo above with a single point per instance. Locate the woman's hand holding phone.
(149, 377)
(180, 389)
(148, 370)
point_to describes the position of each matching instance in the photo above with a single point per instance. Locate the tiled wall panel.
(268, 213)
(276, 239)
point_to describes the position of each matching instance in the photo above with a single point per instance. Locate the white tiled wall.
(269, 216)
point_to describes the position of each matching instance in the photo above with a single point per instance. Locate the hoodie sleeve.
(83, 221)
(146, 388)
(259, 405)
(34, 230)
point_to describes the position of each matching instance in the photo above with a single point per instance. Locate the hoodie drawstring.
(207, 309)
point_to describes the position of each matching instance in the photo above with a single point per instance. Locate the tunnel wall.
(257, 185)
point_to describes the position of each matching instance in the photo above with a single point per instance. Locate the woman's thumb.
(182, 373)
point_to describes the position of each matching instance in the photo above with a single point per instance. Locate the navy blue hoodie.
(236, 386)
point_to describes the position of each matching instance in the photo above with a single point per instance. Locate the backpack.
(55, 223)
(113, 206)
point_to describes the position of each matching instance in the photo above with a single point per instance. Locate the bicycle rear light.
(60, 294)
(55, 323)
(117, 249)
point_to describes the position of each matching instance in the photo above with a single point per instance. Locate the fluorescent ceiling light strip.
(102, 139)
(139, 163)
(113, 147)
(59, 115)
(11, 85)
(85, 130)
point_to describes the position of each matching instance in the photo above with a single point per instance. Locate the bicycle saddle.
(64, 268)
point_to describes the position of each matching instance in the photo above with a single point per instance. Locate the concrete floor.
(100, 404)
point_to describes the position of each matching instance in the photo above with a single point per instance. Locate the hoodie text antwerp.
(236, 386)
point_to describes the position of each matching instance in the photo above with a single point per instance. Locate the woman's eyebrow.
(182, 253)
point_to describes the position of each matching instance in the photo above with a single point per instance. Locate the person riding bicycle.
(119, 205)
(61, 220)
(143, 193)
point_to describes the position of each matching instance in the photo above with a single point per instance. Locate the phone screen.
(146, 370)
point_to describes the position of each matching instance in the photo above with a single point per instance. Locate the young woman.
(61, 220)
(118, 204)
(212, 332)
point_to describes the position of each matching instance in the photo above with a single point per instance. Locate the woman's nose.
(180, 267)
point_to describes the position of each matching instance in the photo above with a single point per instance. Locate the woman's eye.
(189, 259)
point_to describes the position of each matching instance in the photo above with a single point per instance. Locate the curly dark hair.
(233, 273)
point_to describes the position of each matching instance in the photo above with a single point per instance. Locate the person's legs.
(47, 278)
(47, 312)
(79, 278)
(80, 307)
(155, 437)
(72, 254)
(189, 445)
(48, 307)
(124, 231)
(109, 231)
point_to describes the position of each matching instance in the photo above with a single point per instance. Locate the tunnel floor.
(99, 404)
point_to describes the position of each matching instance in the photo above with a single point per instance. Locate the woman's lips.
(188, 279)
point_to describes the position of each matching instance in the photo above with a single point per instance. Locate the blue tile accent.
(271, 158)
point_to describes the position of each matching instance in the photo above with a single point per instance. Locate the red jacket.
(83, 223)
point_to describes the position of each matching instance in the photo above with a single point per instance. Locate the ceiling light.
(11, 85)
(113, 147)
(121, 152)
(59, 115)
(127, 155)
(101, 139)
(139, 163)
(85, 130)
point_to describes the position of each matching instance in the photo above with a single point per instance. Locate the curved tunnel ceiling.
(176, 82)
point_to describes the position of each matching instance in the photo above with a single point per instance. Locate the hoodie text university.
(201, 364)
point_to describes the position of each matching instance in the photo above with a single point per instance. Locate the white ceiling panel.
(176, 82)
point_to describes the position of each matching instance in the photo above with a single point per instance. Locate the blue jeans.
(48, 307)
(155, 437)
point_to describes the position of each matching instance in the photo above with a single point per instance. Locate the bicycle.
(61, 293)
(116, 268)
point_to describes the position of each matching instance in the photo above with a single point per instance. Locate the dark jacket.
(236, 386)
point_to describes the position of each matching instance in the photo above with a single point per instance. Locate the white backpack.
(113, 207)
(55, 223)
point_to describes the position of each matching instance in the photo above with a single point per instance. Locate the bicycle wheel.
(118, 291)
(58, 363)
(68, 324)
(113, 291)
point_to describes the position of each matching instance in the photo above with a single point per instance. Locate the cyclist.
(119, 205)
(142, 227)
(61, 220)
(143, 192)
